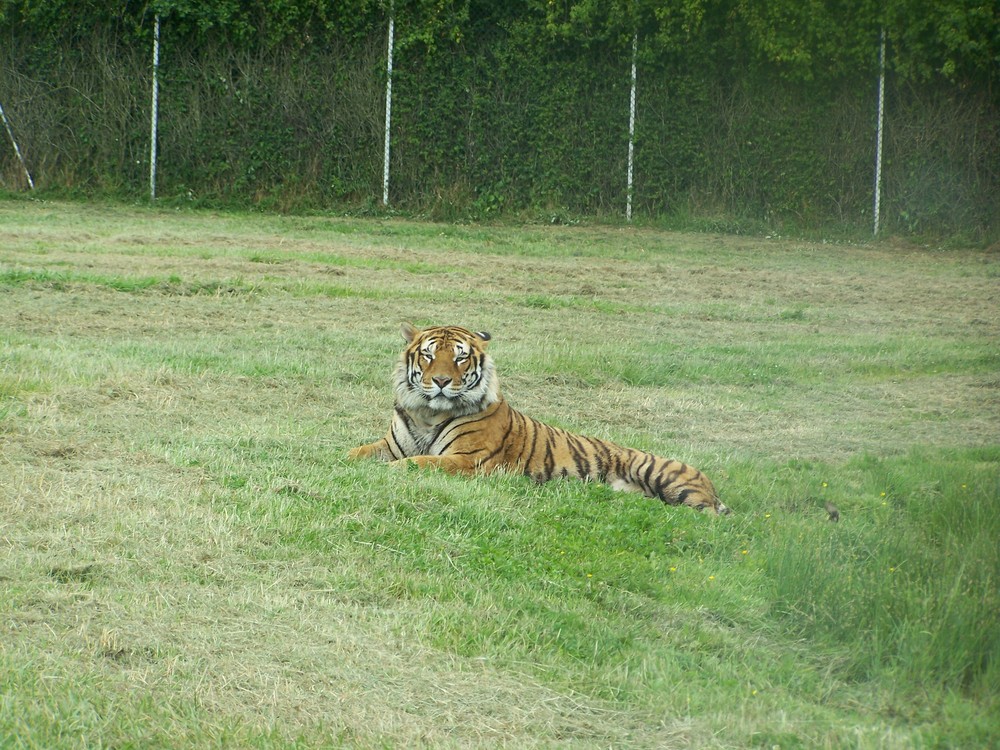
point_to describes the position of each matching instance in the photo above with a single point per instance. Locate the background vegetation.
(749, 114)
(187, 559)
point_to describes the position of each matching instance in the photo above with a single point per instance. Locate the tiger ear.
(410, 332)
(483, 335)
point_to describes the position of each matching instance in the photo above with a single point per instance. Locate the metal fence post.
(631, 130)
(388, 108)
(154, 110)
(878, 137)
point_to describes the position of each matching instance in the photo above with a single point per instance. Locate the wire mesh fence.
(491, 129)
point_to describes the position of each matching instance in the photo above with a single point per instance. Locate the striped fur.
(450, 413)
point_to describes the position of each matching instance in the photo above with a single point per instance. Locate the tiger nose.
(441, 381)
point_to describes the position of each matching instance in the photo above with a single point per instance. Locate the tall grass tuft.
(909, 579)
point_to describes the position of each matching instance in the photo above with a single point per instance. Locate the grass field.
(186, 559)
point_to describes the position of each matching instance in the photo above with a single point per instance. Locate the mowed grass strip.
(188, 559)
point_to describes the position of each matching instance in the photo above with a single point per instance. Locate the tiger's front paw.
(402, 464)
(452, 464)
(362, 451)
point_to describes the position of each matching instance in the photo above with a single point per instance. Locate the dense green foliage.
(746, 111)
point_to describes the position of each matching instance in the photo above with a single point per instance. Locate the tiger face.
(446, 370)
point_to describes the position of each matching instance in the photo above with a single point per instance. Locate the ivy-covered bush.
(745, 111)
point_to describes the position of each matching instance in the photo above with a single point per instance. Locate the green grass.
(188, 560)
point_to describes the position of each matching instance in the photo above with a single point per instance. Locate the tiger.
(450, 414)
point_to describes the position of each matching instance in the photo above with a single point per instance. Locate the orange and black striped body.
(450, 413)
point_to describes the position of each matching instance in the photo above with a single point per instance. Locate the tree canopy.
(800, 39)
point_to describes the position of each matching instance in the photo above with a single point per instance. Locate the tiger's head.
(446, 370)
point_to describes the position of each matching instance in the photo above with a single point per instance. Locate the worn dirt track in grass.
(176, 387)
